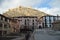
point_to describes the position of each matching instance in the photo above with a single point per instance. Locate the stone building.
(27, 22)
(4, 25)
(8, 25)
(14, 24)
(48, 19)
(56, 25)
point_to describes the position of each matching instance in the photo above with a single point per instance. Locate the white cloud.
(6, 4)
(55, 8)
(52, 11)
(55, 3)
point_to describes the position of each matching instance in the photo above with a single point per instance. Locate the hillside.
(23, 11)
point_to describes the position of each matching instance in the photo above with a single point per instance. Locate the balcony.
(1, 21)
(4, 28)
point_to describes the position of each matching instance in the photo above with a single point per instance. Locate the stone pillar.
(8, 28)
(2, 28)
(3, 19)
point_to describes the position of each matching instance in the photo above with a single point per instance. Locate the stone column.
(2, 28)
(8, 28)
(3, 19)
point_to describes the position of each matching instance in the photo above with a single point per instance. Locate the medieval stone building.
(29, 22)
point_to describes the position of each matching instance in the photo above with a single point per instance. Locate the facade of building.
(14, 25)
(56, 25)
(29, 22)
(8, 25)
(48, 20)
(4, 25)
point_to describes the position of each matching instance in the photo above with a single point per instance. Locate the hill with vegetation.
(23, 11)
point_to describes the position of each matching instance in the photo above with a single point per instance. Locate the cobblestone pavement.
(46, 34)
(20, 37)
(43, 34)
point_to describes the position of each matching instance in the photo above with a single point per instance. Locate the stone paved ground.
(46, 34)
(43, 34)
(20, 37)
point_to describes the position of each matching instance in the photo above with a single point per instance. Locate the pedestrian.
(27, 36)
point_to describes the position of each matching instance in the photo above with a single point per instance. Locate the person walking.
(27, 36)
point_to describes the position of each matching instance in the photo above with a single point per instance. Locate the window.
(5, 19)
(33, 20)
(47, 19)
(25, 22)
(36, 19)
(27, 19)
(28, 22)
(33, 24)
(1, 18)
(51, 19)
(54, 18)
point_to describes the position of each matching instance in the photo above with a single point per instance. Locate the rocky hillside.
(23, 11)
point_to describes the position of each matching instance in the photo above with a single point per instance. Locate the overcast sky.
(48, 6)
